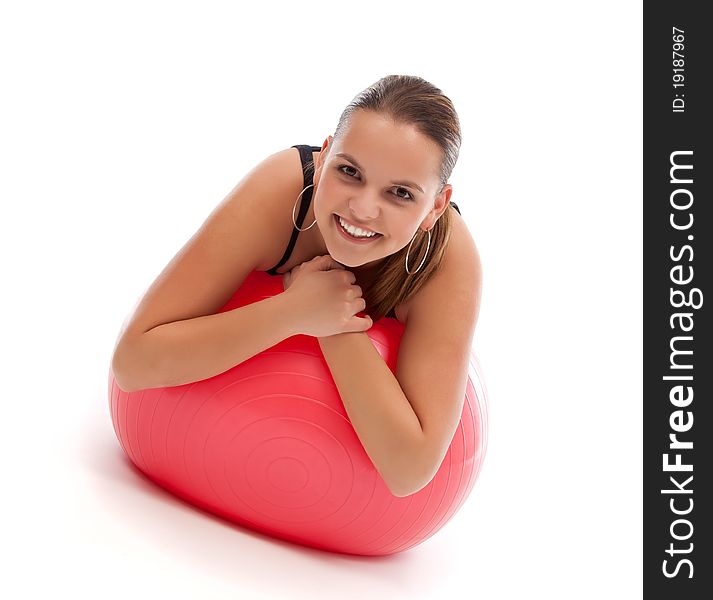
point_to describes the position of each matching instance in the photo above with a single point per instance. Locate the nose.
(364, 208)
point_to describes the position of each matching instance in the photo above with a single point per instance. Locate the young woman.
(369, 228)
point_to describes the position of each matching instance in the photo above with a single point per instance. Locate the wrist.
(286, 308)
(331, 340)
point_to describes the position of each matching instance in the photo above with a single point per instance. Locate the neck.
(365, 274)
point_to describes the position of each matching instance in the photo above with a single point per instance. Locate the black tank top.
(305, 156)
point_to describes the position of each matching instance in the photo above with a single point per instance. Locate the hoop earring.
(295, 206)
(424, 256)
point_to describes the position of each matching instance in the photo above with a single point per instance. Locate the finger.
(349, 277)
(333, 264)
(327, 263)
(363, 323)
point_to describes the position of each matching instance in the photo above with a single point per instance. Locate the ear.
(440, 206)
(327, 143)
(326, 147)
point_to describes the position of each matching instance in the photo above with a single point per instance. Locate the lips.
(344, 234)
(356, 225)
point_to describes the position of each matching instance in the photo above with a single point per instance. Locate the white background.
(122, 125)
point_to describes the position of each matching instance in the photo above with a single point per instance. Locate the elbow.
(137, 365)
(412, 472)
(123, 370)
(407, 489)
(407, 486)
(402, 492)
(119, 375)
(127, 389)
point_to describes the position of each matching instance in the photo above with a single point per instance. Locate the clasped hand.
(325, 298)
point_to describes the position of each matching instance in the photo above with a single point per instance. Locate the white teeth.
(355, 231)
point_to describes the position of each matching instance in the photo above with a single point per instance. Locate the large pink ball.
(268, 445)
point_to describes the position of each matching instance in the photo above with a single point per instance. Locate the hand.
(325, 298)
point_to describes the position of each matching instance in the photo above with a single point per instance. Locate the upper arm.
(233, 241)
(435, 349)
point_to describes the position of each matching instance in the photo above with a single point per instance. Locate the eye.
(340, 167)
(408, 197)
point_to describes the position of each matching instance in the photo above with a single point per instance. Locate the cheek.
(329, 187)
(328, 199)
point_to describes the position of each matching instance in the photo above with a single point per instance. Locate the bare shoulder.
(243, 233)
(456, 284)
(288, 174)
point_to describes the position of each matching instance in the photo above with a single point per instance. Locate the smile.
(356, 235)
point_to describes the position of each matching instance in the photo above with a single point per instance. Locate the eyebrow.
(358, 166)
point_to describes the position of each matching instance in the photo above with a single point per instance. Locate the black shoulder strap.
(308, 170)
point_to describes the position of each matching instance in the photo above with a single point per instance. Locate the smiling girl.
(362, 224)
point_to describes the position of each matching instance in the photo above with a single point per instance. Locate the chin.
(347, 263)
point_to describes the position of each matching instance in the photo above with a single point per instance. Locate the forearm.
(378, 409)
(195, 349)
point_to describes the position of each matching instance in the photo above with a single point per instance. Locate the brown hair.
(414, 101)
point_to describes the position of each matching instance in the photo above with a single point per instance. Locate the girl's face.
(382, 178)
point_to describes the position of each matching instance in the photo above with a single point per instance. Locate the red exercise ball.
(268, 445)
